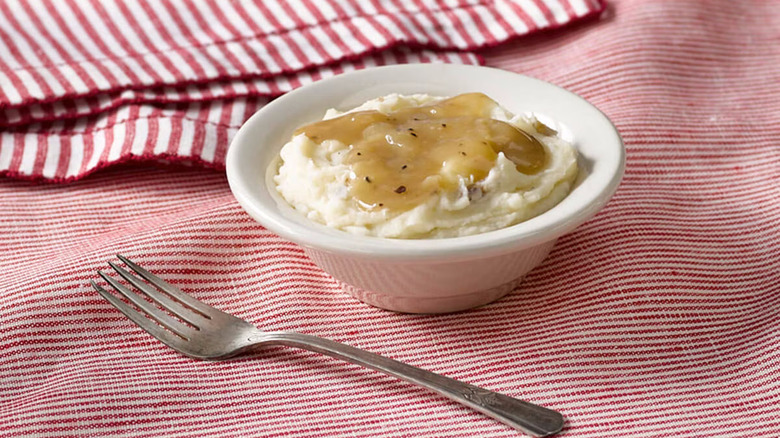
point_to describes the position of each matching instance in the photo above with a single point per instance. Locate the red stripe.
(199, 135)
(130, 133)
(154, 132)
(175, 137)
(16, 157)
(224, 121)
(40, 154)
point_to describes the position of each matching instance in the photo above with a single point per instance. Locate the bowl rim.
(526, 234)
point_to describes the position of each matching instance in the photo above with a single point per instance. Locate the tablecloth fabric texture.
(657, 318)
(213, 63)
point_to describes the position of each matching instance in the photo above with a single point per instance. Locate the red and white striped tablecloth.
(657, 318)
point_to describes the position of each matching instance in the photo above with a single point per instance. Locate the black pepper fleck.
(413, 134)
(463, 153)
(400, 189)
(368, 180)
(359, 154)
(381, 205)
(404, 167)
(443, 125)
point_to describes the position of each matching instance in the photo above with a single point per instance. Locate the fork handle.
(527, 417)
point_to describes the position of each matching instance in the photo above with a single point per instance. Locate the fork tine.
(142, 321)
(147, 307)
(170, 289)
(185, 313)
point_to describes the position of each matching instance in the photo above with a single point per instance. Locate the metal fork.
(203, 332)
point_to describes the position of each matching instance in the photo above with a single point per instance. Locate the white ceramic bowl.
(431, 275)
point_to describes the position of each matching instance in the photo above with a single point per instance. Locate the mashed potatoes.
(319, 178)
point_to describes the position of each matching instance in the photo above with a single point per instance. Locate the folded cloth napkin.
(121, 62)
(657, 318)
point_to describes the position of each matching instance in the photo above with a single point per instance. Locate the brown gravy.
(401, 158)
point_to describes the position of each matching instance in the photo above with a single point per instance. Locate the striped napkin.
(87, 83)
(657, 318)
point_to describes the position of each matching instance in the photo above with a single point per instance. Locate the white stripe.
(326, 42)
(368, 30)
(240, 87)
(98, 144)
(9, 89)
(164, 130)
(187, 136)
(214, 111)
(237, 115)
(534, 12)
(241, 25)
(243, 57)
(223, 35)
(311, 53)
(53, 152)
(140, 137)
(208, 67)
(495, 29)
(28, 154)
(429, 29)
(73, 78)
(165, 49)
(209, 143)
(281, 47)
(55, 86)
(257, 16)
(279, 14)
(135, 42)
(46, 46)
(76, 154)
(347, 36)
(557, 9)
(511, 17)
(100, 28)
(6, 150)
(579, 6)
(30, 83)
(262, 52)
(119, 131)
(101, 82)
(303, 13)
(21, 45)
(394, 30)
(471, 27)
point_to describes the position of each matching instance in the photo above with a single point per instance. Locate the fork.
(200, 331)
